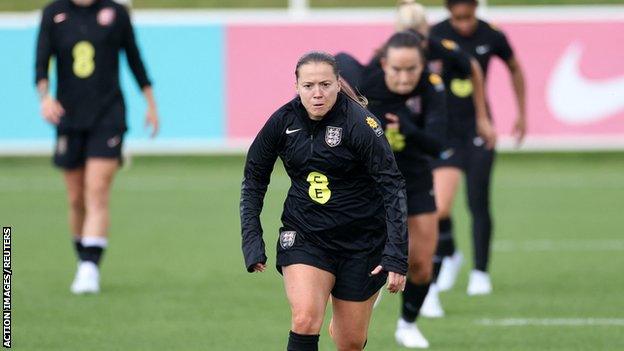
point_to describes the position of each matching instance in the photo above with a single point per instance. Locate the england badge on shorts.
(61, 145)
(287, 238)
(106, 16)
(333, 136)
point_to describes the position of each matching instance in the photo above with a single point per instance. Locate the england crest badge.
(106, 16)
(287, 238)
(414, 104)
(333, 136)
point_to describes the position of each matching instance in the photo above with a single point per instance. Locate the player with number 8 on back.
(344, 228)
(88, 111)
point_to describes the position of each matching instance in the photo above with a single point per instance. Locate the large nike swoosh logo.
(288, 131)
(575, 99)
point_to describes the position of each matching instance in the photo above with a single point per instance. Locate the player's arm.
(505, 52)
(468, 66)
(138, 70)
(51, 109)
(257, 175)
(435, 113)
(432, 139)
(484, 126)
(368, 143)
(518, 83)
(402, 130)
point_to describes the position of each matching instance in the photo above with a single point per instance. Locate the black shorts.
(103, 139)
(419, 202)
(74, 147)
(353, 279)
(420, 193)
(464, 150)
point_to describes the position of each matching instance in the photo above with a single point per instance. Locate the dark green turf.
(173, 278)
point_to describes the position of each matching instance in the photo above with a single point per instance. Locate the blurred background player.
(340, 237)
(411, 103)
(85, 38)
(472, 156)
(448, 60)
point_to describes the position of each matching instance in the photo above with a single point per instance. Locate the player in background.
(411, 102)
(85, 38)
(473, 156)
(449, 61)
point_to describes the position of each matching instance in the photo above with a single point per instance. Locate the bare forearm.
(148, 94)
(42, 88)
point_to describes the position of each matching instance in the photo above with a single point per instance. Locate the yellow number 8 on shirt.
(319, 192)
(83, 53)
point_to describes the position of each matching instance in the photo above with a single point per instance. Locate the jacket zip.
(312, 139)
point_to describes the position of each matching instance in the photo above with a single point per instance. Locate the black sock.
(91, 254)
(413, 298)
(298, 342)
(446, 242)
(78, 245)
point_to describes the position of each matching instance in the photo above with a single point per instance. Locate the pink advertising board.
(574, 71)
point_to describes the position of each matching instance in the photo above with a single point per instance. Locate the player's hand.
(395, 138)
(51, 109)
(151, 120)
(486, 132)
(396, 281)
(519, 130)
(393, 121)
(259, 267)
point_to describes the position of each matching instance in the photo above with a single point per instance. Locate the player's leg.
(70, 156)
(423, 233)
(103, 152)
(98, 180)
(478, 179)
(353, 296)
(74, 182)
(350, 322)
(446, 182)
(307, 290)
(99, 176)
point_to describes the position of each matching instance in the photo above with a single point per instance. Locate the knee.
(444, 211)
(97, 195)
(420, 273)
(352, 344)
(306, 323)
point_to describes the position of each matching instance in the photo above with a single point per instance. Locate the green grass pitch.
(173, 277)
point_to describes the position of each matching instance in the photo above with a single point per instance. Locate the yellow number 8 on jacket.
(83, 53)
(318, 191)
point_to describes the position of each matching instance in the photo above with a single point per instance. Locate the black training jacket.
(446, 59)
(486, 42)
(422, 117)
(346, 195)
(85, 43)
